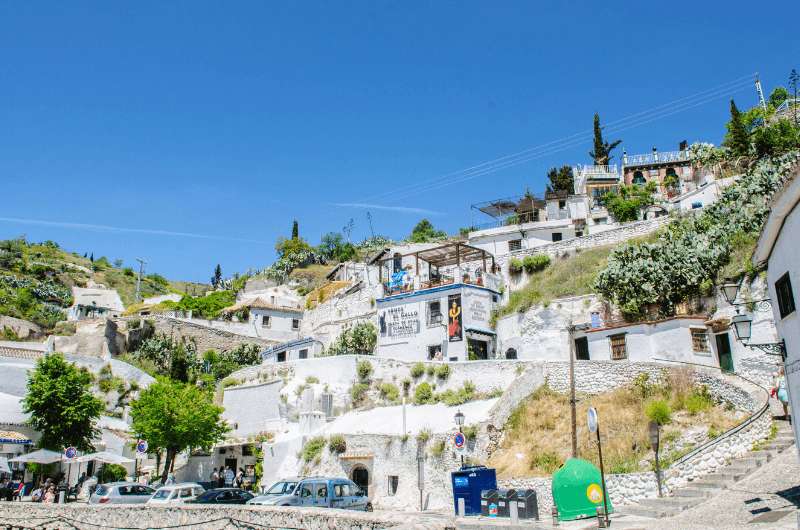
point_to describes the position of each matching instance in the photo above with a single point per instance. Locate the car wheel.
(368, 507)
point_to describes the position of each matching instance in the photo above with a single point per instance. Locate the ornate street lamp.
(730, 291)
(743, 328)
(459, 418)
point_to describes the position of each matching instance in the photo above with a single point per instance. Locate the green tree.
(174, 416)
(295, 230)
(61, 405)
(601, 154)
(778, 96)
(424, 232)
(361, 339)
(561, 179)
(737, 140)
(794, 78)
(216, 280)
(626, 203)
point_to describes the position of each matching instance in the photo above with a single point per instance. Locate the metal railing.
(656, 157)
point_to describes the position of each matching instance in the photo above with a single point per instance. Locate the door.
(321, 494)
(361, 478)
(478, 351)
(582, 349)
(724, 352)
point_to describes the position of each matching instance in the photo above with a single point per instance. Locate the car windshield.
(101, 490)
(162, 494)
(281, 487)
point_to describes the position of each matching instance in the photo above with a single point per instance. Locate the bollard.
(554, 513)
(601, 519)
(461, 507)
(512, 511)
(60, 497)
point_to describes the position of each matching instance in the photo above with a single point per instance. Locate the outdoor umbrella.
(105, 457)
(42, 456)
(4, 465)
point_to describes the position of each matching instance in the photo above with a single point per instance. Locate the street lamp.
(730, 290)
(743, 328)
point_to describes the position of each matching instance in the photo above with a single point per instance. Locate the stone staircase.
(698, 491)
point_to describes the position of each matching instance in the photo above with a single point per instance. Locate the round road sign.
(141, 446)
(592, 419)
(70, 453)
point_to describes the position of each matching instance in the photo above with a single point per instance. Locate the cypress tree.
(602, 149)
(295, 230)
(738, 139)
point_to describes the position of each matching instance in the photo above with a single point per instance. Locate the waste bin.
(468, 483)
(503, 498)
(489, 499)
(527, 504)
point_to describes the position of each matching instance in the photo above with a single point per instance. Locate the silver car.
(121, 493)
(279, 489)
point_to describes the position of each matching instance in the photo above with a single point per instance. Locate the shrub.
(358, 391)
(535, 263)
(470, 431)
(437, 449)
(312, 380)
(423, 436)
(337, 444)
(423, 394)
(112, 473)
(313, 448)
(430, 370)
(134, 323)
(547, 462)
(389, 392)
(659, 411)
(642, 385)
(464, 394)
(406, 386)
(360, 339)
(443, 371)
(364, 370)
(229, 381)
(515, 265)
(699, 400)
(417, 370)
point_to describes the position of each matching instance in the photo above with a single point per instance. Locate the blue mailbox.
(468, 482)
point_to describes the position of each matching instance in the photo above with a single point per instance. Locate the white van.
(175, 494)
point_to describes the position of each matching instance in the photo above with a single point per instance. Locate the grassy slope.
(537, 437)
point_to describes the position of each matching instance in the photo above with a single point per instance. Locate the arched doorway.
(511, 353)
(360, 476)
(638, 177)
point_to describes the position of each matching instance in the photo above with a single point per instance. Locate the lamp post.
(654, 431)
(743, 324)
(594, 426)
(459, 419)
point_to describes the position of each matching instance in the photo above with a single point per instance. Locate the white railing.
(596, 170)
(657, 157)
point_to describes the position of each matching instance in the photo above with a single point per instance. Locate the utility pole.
(761, 100)
(369, 218)
(572, 412)
(142, 263)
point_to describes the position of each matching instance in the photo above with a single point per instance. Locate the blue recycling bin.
(468, 482)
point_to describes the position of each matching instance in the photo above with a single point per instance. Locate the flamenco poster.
(454, 332)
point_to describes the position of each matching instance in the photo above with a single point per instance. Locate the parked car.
(324, 493)
(176, 494)
(279, 489)
(223, 496)
(121, 493)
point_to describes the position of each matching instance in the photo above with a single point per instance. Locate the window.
(343, 490)
(601, 221)
(638, 177)
(247, 450)
(435, 352)
(699, 341)
(397, 262)
(186, 493)
(514, 244)
(511, 353)
(618, 349)
(394, 480)
(783, 290)
(322, 491)
(305, 490)
(434, 313)
(562, 205)
(295, 323)
(556, 236)
(281, 357)
(265, 321)
(578, 233)
(303, 354)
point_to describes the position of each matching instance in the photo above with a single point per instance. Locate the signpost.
(421, 474)
(655, 436)
(69, 453)
(594, 426)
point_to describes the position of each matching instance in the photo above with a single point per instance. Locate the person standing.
(781, 393)
(239, 480)
(229, 475)
(214, 478)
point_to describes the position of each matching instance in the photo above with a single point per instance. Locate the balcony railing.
(657, 157)
(406, 283)
(595, 171)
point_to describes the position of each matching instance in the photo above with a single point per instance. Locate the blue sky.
(192, 133)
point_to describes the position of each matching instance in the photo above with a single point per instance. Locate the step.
(658, 512)
(711, 484)
(753, 459)
(726, 477)
(763, 453)
(676, 504)
(691, 491)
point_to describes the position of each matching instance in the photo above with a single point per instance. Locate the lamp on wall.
(743, 329)
(730, 291)
(459, 419)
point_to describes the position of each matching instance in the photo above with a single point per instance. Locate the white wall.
(249, 408)
(495, 240)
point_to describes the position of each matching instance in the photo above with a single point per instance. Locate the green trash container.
(578, 490)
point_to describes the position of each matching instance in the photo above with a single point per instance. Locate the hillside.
(36, 280)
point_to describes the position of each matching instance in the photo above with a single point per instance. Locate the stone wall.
(22, 328)
(22, 350)
(327, 320)
(209, 518)
(609, 237)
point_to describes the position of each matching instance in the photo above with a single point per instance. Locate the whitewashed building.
(94, 302)
(267, 318)
(437, 303)
(778, 248)
(293, 350)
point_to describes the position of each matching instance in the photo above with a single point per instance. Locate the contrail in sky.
(400, 209)
(122, 230)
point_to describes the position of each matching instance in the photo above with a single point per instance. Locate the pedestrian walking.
(229, 476)
(214, 478)
(780, 392)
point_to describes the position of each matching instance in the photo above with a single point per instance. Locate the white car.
(175, 494)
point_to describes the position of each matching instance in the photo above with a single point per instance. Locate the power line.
(469, 175)
(636, 119)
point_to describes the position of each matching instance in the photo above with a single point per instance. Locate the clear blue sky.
(228, 121)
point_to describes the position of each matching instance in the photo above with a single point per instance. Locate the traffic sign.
(592, 419)
(70, 453)
(141, 446)
(459, 442)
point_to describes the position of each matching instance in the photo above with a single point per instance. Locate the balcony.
(656, 157)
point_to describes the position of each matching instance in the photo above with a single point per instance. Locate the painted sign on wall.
(454, 331)
(478, 309)
(400, 322)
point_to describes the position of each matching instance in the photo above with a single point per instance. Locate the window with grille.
(295, 323)
(394, 481)
(434, 313)
(514, 244)
(265, 321)
(783, 290)
(700, 341)
(618, 348)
